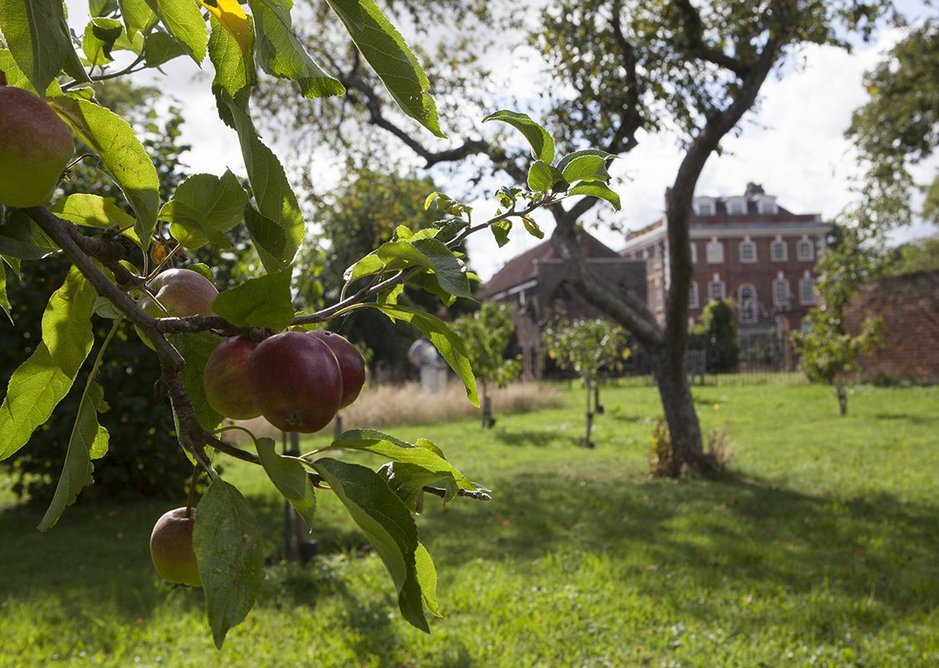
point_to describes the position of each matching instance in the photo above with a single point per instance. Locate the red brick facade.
(909, 306)
(747, 248)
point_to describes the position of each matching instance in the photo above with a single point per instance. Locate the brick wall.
(909, 306)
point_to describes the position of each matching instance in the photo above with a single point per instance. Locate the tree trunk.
(680, 416)
(589, 413)
(842, 399)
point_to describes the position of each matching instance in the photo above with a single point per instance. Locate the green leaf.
(258, 302)
(541, 141)
(447, 343)
(427, 578)
(4, 298)
(596, 189)
(20, 237)
(570, 157)
(203, 208)
(160, 47)
(137, 15)
(424, 455)
(532, 227)
(281, 54)
(125, 158)
(391, 58)
(15, 76)
(88, 440)
(500, 231)
(542, 176)
(41, 382)
(97, 212)
(227, 542)
(387, 524)
(195, 349)
(279, 230)
(586, 168)
(234, 69)
(101, 7)
(183, 19)
(37, 35)
(431, 254)
(290, 478)
(100, 35)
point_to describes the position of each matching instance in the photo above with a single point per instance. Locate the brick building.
(909, 306)
(748, 248)
(536, 284)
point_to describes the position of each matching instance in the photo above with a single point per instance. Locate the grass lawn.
(822, 548)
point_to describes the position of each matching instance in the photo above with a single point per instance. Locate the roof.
(521, 268)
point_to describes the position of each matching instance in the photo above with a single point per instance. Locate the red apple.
(295, 381)
(351, 364)
(171, 547)
(225, 379)
(181, 292)
(35, 147)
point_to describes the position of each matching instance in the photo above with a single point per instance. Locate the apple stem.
(192, 490)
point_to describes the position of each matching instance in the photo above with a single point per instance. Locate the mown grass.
(820, 548)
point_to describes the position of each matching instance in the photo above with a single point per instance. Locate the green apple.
(35, 147)
(171, 547)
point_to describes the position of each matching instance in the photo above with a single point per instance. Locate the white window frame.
(736, 206)
(784, 282)
(693, 295)
(805, 243)
(747, 318)
(807, 288)
(657, 297)
(767, 206)
(714, 250)
(716, 280)
(779, 242)
(748, 243)
(694, 252)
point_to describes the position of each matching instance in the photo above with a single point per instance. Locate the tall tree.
(618, 68)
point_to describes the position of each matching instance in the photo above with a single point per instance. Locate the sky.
(792, 144)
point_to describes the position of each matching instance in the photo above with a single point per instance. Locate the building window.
(767, 205)
(746, 303)
(781, 291)
(694, 253)
(714, 251)
(805, 250)
(693, 295)
(716, 288)
(703, 207)
(736, 206)
(779, 252)
(747, 251)
(807, 289)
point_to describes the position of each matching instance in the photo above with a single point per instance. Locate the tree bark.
(683, 427)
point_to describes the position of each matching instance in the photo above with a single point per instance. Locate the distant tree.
(919, 255)
(716, 334)
(487, 333)
(587, 347)
(829, 353)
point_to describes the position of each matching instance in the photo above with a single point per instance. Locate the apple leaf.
(203, 208)
(95, 211)
(232, 17)
(586, 168)
(387, 524)
(279, 230)
(290, 478)
(20, 237)
(281, 54)
(195, 349)
(4, 298)
(125, 158)
(444, 339)
(424, 455)
(541, 141)
(574, 155)
(88, 440)
(542, 176)
(41, 382)
(258, 302)
(427, 577)
(184, 21)
(234, 68)
(596, 189)
(100, 35)
(137, 15)
(393, 61)
(431, 254)
(160, 47)
(36, 33)
(227, 542)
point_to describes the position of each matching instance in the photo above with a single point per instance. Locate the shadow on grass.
(912, 419)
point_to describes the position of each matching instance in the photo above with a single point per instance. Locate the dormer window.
(736, 206)
(704, 206)
(766, 205)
